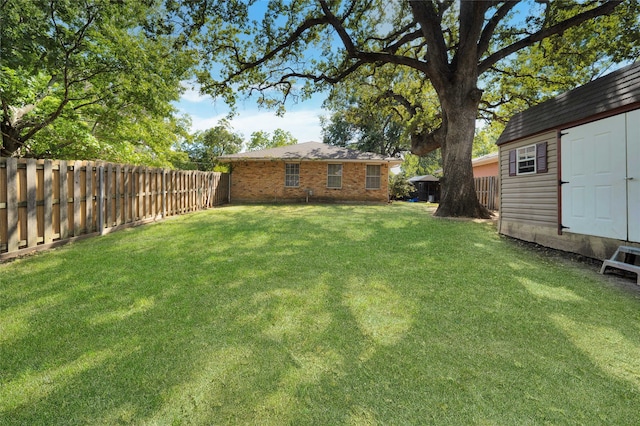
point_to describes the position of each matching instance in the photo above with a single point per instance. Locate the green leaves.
(207, 146)
(264, 140)
(87, 70)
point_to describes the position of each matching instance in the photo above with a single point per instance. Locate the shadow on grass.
(311, 315)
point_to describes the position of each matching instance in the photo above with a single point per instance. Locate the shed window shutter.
(512, 163)
(541, 158)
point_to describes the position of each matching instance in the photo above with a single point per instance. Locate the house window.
(526, 160)
(291, 175)
(334, 176)
(373, 177)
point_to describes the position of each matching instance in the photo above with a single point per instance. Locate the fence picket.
(100, 191)
(76, 198)
(49, 202)
(63, 201)
(13, 231)
(88, 195)
(32, 219)
(487, 191)
(118, 194)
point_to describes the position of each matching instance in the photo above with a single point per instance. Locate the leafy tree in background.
(458, 48)
(84, 80)
(264, 140)
(399, 187)
(369, 113)
(207, 146)
(414, 165)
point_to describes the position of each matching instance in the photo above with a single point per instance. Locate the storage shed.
(427, 188)
(570, 168)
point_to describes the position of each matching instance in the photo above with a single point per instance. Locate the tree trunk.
(458, 197)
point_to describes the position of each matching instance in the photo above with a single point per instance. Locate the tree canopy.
(205, 147)
(264, 140)
(459, 49)
(87, 80)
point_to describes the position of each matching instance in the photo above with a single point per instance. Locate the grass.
(313, 315)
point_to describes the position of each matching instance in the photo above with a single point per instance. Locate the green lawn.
(316, 315)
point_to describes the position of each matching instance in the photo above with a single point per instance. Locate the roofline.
(318, 160)
(590, 119)
(596, 99)
(480, 161)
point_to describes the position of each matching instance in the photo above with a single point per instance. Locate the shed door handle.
(628, 178)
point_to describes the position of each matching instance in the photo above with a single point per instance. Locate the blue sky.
(301, 119)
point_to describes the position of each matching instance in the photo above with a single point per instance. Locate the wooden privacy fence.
(45, 203)
(487, 191)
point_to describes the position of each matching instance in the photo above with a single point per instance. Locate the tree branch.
(390, 94)
(306, 25)
(559, 28)
(407, 38)
(489, 29)
(430, 23)
(424, 143)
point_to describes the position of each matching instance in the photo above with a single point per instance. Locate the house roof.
(309, 151)
(618, 89)
(479, 161)
(425, 178)
(485, 159)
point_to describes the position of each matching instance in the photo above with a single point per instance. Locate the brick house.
(309, 171)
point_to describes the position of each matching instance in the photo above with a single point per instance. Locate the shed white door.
(633, 173)
(594, 160)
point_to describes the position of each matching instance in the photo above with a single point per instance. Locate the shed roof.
(425, 178)
(309, 151)
(615, 90)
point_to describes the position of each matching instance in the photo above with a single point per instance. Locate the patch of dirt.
(589, 267)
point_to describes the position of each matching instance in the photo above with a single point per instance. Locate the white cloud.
(205, 113)
(192, 94)
(304, 125)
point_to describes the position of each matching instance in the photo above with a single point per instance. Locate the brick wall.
(263, 181)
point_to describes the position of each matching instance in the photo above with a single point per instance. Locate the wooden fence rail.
(45, 203)
(487, 191)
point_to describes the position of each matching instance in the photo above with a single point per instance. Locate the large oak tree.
(300, 47)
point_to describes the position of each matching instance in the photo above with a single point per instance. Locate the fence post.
(76, 198)
(64, 201)
(47, 181)
(163, 190)
(88, 195)
(13, 233)
(32, 218)
(100, 199)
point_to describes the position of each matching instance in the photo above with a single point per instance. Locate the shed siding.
(263, 181)
(530, 198)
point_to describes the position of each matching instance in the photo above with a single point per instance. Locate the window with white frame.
(292, 175)
(334, 176)
(373, 177)
(526, 160)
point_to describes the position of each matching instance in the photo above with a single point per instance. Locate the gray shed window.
(528, 160)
